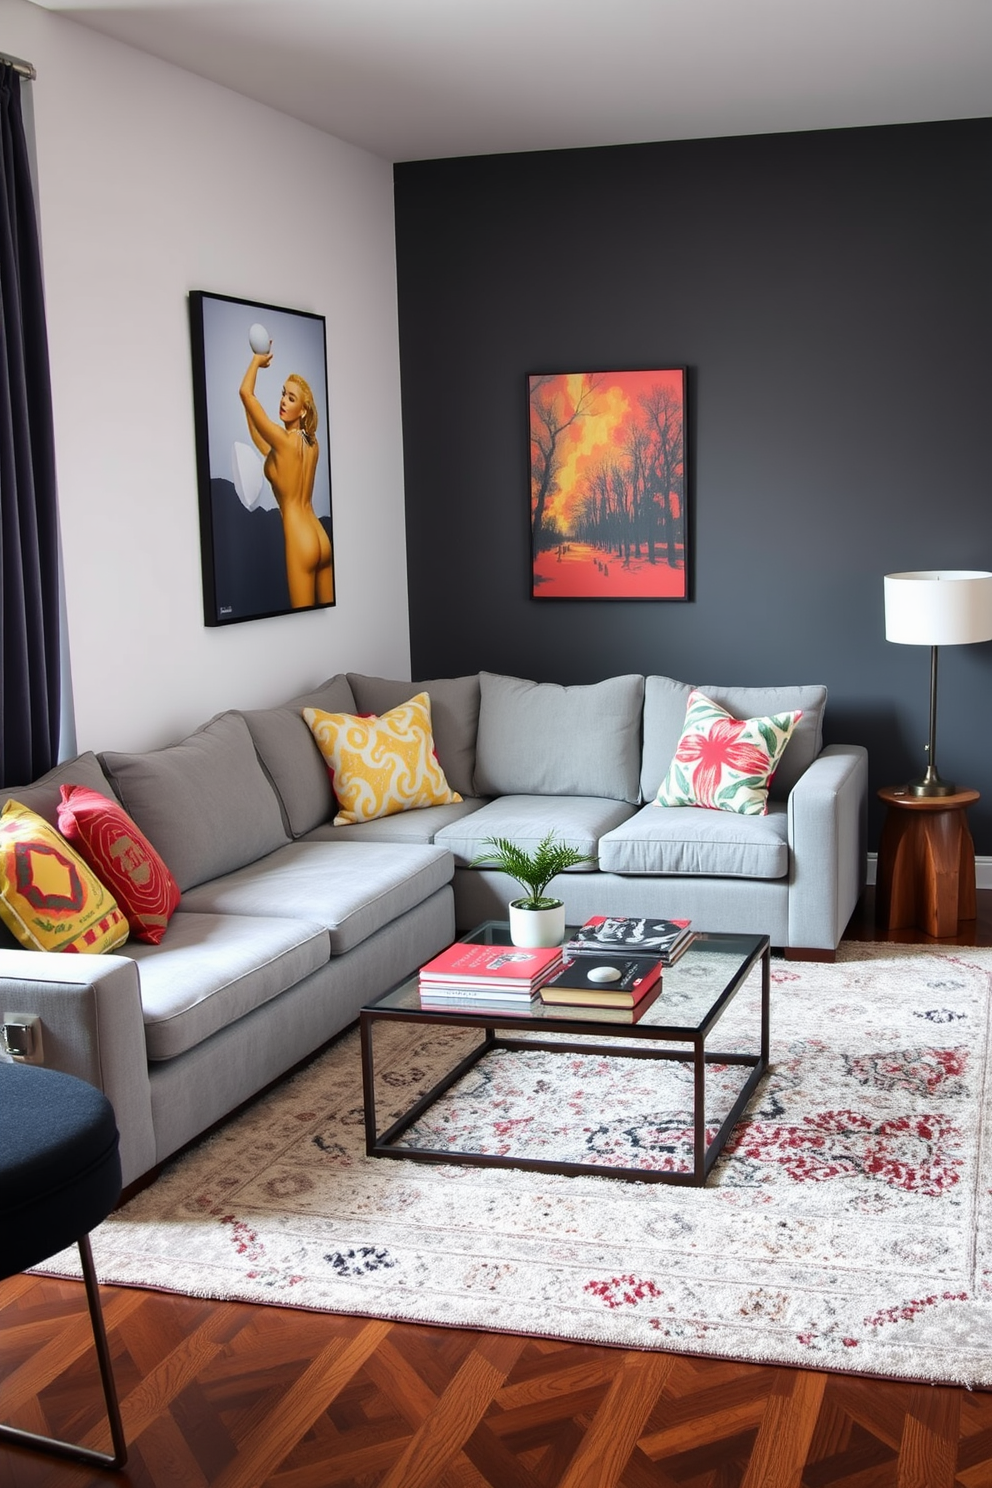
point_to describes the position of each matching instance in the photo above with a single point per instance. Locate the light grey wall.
(153, 182)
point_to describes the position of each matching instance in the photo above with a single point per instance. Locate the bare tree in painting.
(593, 522)
(664, 411)
(619, 513)
(637, 449)
(549, 420)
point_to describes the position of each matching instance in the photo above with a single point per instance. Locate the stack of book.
(494, 976)
(616, 964)
(661, 940)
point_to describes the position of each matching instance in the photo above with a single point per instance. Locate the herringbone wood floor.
(235, 1396)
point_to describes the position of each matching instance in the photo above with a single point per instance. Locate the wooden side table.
(926, 862)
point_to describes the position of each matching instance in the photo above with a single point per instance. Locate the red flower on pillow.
(725, 763)
(719, 749)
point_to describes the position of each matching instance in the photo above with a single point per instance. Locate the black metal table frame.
(704, 1154)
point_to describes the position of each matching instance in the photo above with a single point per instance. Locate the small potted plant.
(535, 920)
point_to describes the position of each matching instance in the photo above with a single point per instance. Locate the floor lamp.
(937, 607)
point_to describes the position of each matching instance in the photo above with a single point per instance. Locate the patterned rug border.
(250, 1251)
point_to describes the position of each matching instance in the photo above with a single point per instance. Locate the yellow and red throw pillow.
(49, 899)
(725, 763)
(122, 857)
(381, 764)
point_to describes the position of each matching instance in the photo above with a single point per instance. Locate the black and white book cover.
(657, 938)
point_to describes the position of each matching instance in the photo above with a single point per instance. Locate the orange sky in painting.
(590, 437)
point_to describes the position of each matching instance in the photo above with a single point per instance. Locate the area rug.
(846, 1227)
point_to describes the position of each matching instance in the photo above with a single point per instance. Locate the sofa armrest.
(92, 1027)
(828, 811)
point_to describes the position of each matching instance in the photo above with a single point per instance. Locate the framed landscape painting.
(608, 484)
(263, 466)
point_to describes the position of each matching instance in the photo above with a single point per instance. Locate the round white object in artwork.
(258, 339)
(603, 974)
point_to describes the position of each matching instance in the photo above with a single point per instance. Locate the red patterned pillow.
(122, 857)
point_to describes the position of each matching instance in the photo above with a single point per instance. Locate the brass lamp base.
(930, 785)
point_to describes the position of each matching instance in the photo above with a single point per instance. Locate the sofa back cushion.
(454, 717)
(541, 739)
(665, 703)
(205, 803)
(44, 794)
(290, 756)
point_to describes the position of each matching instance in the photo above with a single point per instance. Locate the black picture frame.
(609, 484)
(266, 547)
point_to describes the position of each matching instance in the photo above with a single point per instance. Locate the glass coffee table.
(673, 1024)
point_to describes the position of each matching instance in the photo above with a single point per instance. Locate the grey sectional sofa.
(288, 924)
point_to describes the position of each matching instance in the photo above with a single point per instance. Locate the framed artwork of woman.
(260, 405)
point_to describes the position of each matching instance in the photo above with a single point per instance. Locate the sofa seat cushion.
(353, 889)
(209, 970)
(692, 839)
(579, 821)
(403, 826)
(540, 739)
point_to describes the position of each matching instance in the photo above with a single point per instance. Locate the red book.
(493, 965)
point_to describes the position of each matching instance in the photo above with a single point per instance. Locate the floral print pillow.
(725, 763)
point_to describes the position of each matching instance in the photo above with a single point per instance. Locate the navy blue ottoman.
(60, 1175)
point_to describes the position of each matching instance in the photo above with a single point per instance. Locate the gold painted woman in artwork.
(290, 452)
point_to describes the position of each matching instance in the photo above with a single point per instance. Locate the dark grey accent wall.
(831, 296)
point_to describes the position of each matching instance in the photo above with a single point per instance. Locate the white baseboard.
(983, 871)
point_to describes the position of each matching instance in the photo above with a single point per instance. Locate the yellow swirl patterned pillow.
(381, 765)
(49, 899)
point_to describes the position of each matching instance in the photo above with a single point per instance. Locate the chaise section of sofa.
(274, 948)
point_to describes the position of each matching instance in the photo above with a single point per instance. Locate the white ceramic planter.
(537, 927)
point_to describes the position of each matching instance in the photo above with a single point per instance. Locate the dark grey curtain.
(29, 572)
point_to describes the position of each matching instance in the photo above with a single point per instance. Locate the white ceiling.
(416, 79)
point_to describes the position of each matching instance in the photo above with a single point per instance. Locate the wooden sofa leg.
(808, 953)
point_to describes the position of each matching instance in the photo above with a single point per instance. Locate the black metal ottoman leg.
(69, 1449)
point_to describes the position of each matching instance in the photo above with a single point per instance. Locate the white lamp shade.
(939, 607)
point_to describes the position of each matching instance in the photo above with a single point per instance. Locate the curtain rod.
(25, 69)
